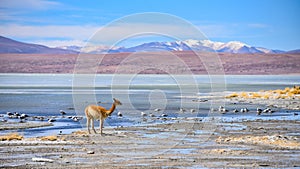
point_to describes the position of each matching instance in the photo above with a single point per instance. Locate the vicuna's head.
(117, 102)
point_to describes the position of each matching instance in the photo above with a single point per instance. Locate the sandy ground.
(175, 62)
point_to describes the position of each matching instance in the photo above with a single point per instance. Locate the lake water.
(47, 94)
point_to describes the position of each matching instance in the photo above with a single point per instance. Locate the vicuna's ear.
(114, 99)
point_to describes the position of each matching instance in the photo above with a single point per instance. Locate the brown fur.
(93, 112)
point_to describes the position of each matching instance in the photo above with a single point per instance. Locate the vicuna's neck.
(113, 107)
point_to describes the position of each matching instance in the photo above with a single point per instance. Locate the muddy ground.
(182, 143)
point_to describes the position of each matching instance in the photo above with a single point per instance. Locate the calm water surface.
(47, 94)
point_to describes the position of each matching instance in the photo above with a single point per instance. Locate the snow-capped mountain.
(201, 45)
(197, 45)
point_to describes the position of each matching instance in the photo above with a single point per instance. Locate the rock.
(42, 160)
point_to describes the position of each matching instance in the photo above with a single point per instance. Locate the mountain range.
(11, 46)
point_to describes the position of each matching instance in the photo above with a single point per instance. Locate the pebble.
(42, 160)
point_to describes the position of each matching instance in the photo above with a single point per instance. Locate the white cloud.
(62, 35)
(28, 4)
(58, 43)
(257, 25)
(52, 31)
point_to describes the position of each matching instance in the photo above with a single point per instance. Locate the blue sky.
(272, 24)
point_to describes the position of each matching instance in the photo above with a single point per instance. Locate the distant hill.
(11, 46)
(294, 51)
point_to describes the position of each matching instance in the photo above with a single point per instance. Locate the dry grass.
(11, 136)
(80, 132)
(49, 138)
(232, 95)
(287, 93)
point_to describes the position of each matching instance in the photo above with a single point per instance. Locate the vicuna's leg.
(88, 124)
(93, 126)
(101, 125)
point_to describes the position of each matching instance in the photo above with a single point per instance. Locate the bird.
(182, 110)
(22, 116)
(267, 110)
(62, 112)
(77, 118)
(143, 114)
(151, 115)
(17, 114)
(120, 114)
(164, 115)
(193, 110)
(9, 113)
(157, 109)
(244, 110)
(51, 120)
(258, 111)
(40, 118)
(222, 109)
(235, 111)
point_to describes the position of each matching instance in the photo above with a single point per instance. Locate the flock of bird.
(51, 119)
(259, 111)
(221, 109)
(23, 117)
